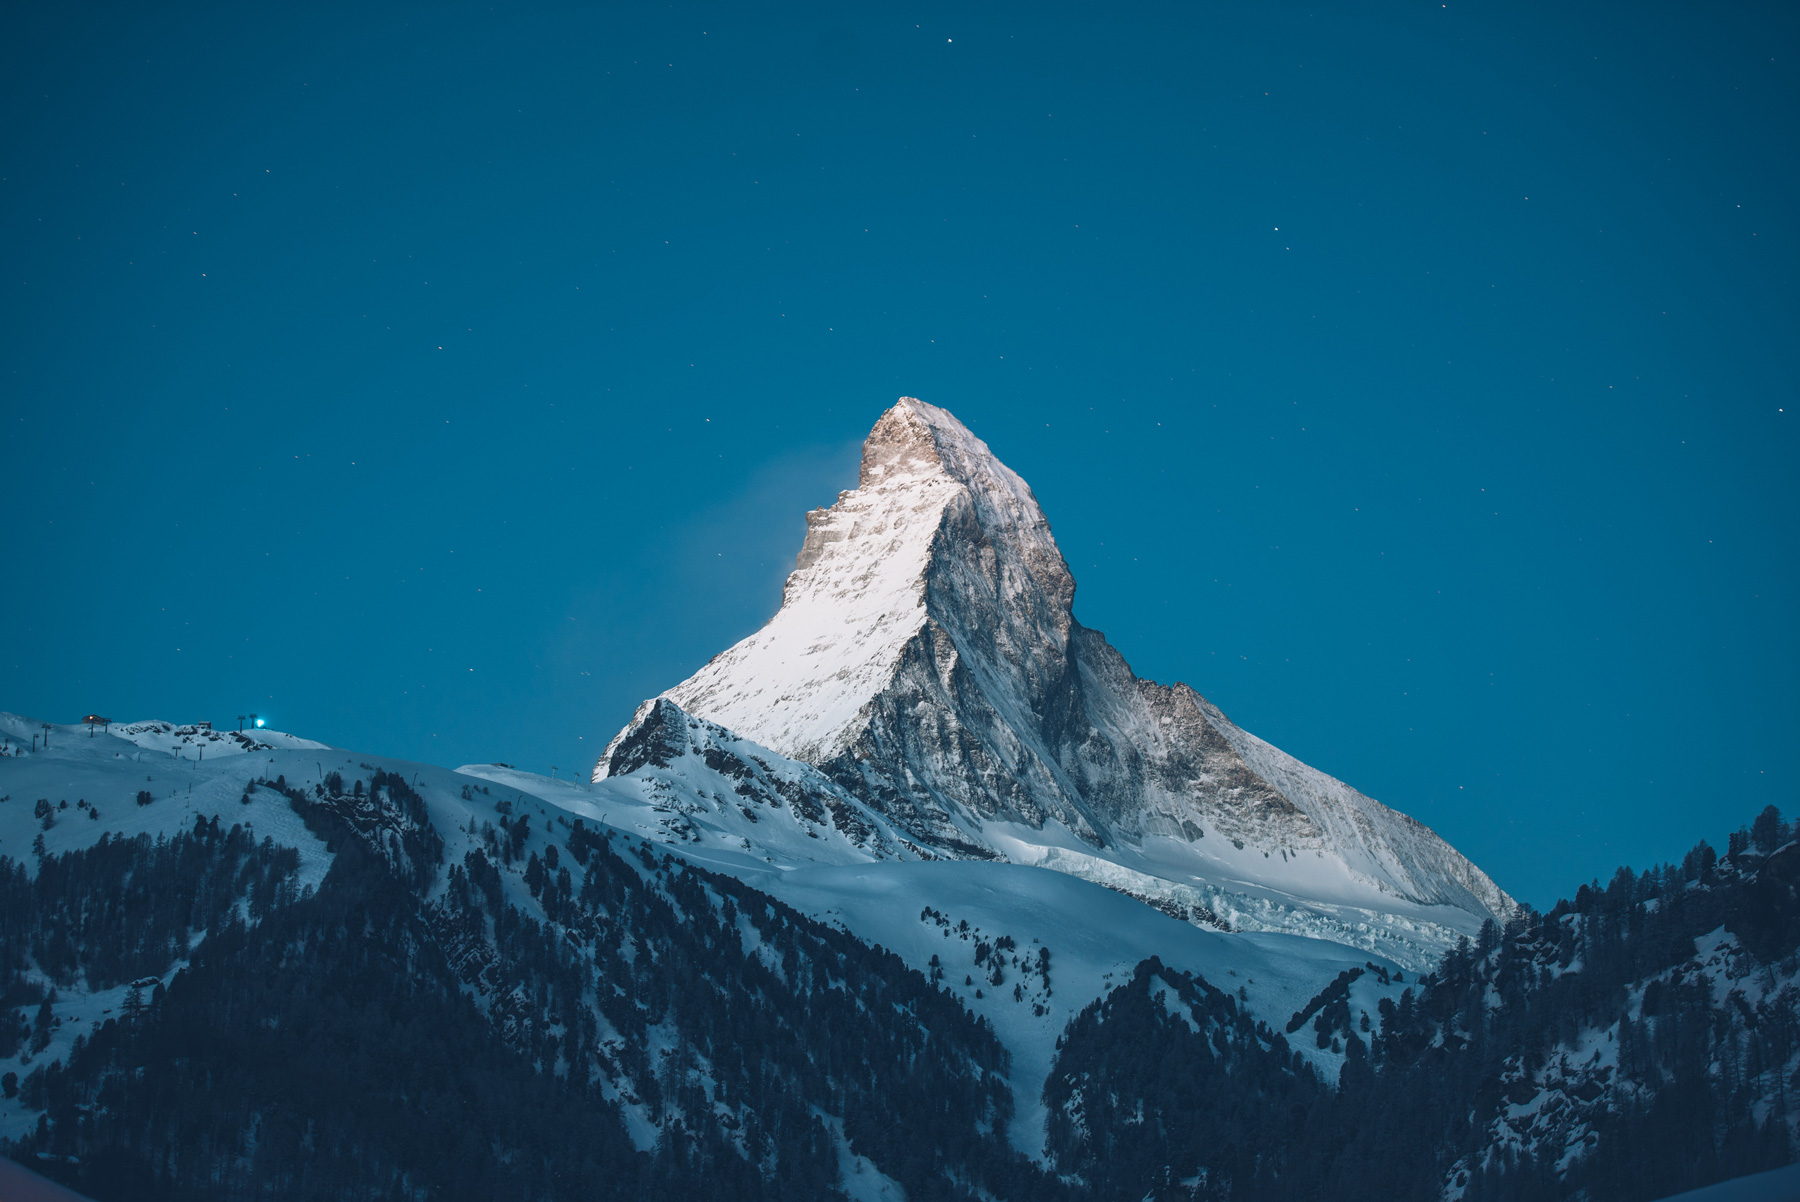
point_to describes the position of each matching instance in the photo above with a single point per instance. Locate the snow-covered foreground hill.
(715, 801)
(518, 897)
(935, 913)
(638, 937)
(1094, 937)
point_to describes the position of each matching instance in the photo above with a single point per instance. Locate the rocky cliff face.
(926, 658)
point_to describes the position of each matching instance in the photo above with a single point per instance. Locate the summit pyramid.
(927, 659)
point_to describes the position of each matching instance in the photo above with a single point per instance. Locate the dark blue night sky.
(1415, 381)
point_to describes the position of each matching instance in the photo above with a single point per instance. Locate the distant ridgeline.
(405, 1031)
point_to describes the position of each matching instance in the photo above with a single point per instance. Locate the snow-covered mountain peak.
(904, 443)
(914, 440)
(927, 660)
(873, 571)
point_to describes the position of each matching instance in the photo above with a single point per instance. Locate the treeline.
(389, 819)
(648, 949)
(363, 1042)
(1577, 1054)
(325, 1053)
(125, 909)
(1167, 1088)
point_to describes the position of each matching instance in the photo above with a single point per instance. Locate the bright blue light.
(259, 723)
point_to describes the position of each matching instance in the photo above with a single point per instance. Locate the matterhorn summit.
(927, 660)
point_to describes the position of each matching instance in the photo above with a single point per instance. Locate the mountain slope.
(1641, 1039)
(296, 971)
(926, 657)
(301, 972)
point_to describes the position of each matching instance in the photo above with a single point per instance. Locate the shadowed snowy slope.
(1024, 948)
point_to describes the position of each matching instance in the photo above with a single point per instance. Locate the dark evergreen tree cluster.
(361, 1042)
(813, 1018)
(1329, 1011)
(1167, 1088)
(994, 960)
(125, 909)
(325, 1053)
(389, 818)
(1698, 1094)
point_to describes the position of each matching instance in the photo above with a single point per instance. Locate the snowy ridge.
(182, 741)
(1391, 845)
(687, 782)
(149, 778)
(927, 660)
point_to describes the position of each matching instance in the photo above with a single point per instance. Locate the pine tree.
(1767, 832)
